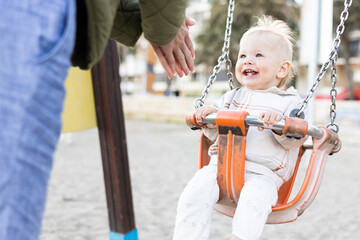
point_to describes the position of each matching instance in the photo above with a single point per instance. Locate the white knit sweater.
(266, 152)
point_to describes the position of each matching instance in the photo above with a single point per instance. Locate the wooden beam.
(111, 125)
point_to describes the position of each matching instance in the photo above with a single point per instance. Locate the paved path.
(163, 157)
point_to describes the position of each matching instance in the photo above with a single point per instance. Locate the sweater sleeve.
(289, 143)
(162, 19)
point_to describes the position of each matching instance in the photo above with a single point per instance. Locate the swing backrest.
(285, 210)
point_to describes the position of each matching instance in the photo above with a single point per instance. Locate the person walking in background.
(39, 41)
(264, 65)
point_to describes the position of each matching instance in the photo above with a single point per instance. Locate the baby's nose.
(248, 61)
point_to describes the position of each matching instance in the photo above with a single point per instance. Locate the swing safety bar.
(254, 121)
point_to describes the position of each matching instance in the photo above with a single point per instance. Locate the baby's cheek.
(238, 72)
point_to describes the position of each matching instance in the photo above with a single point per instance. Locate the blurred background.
(163, 150)
(315, 24)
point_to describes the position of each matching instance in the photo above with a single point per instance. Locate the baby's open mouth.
(249, 72)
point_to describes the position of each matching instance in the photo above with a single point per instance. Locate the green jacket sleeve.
(127, 23)
(162, 19)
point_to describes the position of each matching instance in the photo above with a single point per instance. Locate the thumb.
(189, 21)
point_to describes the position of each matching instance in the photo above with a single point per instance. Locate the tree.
(210, 41)
(351, 24)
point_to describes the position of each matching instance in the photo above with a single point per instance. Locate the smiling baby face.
(261, 62)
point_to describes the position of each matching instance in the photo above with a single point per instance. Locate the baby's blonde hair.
(281, 29)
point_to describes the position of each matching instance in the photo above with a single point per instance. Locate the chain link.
(229, 73)
(224, 57)
(333, 94)
(331, 61)
(227, 42)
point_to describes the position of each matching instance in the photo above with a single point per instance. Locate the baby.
(264, 65)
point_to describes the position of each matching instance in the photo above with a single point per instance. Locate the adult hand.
(177, 56)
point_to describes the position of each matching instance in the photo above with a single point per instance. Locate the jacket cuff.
(161, 20)
(127, 28)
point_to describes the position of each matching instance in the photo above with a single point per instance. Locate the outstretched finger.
(169, 71)
(169, 56)
(190, 46)
(188, 58)
(189, 21)
(179, 55)
(178, 70)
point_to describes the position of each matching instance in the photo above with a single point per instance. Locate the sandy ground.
(163, 157)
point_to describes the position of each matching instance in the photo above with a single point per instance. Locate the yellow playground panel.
(79, 106)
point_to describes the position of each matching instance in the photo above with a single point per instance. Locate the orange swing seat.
(232, 130)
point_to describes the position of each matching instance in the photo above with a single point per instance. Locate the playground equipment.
(232, 128)
(103, 101)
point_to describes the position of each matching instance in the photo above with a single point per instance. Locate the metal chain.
(331, 61)
(226, 50)
(333, 94)
(224, 57)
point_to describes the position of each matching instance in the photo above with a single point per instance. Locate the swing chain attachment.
(224, 57)
(331, 61)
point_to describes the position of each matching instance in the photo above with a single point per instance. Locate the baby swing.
(232, 127)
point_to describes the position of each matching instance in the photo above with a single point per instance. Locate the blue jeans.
(36, 42)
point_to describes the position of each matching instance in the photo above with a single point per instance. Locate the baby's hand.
(270, 118)
(202, 112)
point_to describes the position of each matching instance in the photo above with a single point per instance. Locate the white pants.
(197, 201)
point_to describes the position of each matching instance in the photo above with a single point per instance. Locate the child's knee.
(260, 188)
(202, 188)
(205, 178)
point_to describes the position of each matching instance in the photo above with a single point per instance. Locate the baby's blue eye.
(242, 56)
(259, 55)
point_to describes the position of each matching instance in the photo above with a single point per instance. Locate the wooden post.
(111, 125)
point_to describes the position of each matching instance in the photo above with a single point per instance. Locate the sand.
(162, 158)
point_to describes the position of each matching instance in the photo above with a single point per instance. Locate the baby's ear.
(283, 70)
